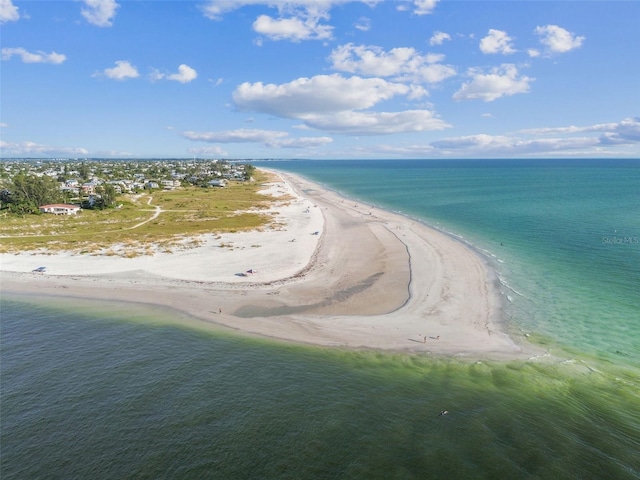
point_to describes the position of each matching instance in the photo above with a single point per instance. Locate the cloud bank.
(33, 57)
(269, 138)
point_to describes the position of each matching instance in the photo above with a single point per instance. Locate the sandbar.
(331, 271)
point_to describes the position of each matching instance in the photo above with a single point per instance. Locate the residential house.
(60, 209)
(170, 184)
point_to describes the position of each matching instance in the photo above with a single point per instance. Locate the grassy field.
(132, 230)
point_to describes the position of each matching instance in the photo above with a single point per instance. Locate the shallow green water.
(129, 394)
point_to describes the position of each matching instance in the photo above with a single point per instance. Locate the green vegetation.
(134, 229)
(105, 198)
(25, 193)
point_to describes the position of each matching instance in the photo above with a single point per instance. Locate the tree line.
(24, 194)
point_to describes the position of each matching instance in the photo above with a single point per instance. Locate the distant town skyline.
(319, 79)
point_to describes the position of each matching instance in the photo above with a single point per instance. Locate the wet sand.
(334, 272)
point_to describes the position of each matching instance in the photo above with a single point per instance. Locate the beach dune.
(333, 272)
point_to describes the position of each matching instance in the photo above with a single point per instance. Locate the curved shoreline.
(490, 261)
(372, 279)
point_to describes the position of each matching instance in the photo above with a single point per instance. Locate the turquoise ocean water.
(102, 391)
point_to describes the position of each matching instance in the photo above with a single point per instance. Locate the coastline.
(333, 272)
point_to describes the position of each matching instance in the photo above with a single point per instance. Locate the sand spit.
(333, 272)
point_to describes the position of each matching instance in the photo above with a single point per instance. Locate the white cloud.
(602, 127)
(558, 40)
(499, 82)
(627, 131)
(424, 7)
(331, 103)
(533, 52)
(242, 135)
(32, 148)
(216, 9)
(363, 24)
(480, 145)
(121, 71)
(156, 75)
(606, 139)
(300, 19)
(113, 154)
(434, 73)
(497, 41)
(303, 142)
(293, 28)
(297, 19)
(403, 62)
(319, 94)
(8, 12)
(407, 151)
(3, 125)
(498, 145)
(215, 151)
(37, 57)
(370, 60)
(100, 12)
(480, 140)
(270, 138)
(438, 38)
(376, 123)
(185, 74)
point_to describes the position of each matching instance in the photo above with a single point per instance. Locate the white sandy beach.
(334, 272)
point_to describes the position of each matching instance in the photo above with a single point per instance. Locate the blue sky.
(320, 79)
